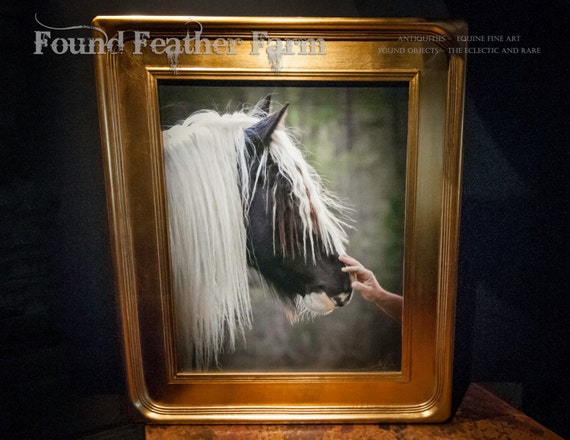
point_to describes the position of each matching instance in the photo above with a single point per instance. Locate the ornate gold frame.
(426, 55)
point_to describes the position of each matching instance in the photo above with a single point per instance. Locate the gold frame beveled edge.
(433, 409)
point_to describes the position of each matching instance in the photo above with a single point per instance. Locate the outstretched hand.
(364, 281)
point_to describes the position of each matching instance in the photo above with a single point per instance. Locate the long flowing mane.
(210, 189)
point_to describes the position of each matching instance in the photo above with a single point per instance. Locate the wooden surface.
(481, 415)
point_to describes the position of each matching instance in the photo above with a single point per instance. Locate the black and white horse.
(241, 194)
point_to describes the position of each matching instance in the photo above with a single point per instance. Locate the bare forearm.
(391, 304)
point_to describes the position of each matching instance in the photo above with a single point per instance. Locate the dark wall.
(60, 365)
(514, 246)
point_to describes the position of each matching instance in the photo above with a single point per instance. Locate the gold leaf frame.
(429, 57)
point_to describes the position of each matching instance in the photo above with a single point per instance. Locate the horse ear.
(260, 133)
(263, 107)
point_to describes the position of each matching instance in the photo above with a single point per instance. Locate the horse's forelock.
(319, 213)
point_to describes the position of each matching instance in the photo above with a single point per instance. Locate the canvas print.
(266, 187)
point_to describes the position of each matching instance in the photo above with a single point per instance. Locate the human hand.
(365, 282)
(362, 279)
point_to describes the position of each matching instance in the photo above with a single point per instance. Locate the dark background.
(60, 365)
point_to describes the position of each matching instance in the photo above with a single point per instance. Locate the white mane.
(206, 165)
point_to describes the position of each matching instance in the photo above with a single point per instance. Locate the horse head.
(294, 234)
(241, 193)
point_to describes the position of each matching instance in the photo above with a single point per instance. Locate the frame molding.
(357, 50)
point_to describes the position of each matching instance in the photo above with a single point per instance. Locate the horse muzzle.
(322, 304)
(342, 299)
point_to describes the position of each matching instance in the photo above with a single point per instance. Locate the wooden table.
(481, 415)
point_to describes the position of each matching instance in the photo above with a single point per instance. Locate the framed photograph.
(283, 198)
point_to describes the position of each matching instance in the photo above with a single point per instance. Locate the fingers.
(352, 265)
(352, 272)
(351, 268)
(362, 279)
(348, 260)
(360, 287)
(356, 270)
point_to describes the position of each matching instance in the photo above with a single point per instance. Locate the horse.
(242, 195)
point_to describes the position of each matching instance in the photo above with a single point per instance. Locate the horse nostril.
(342, 299)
